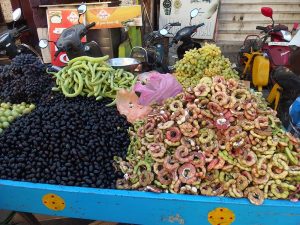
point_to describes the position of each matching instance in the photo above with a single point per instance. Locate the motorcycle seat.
(287, 80)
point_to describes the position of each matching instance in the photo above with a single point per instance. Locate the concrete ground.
(50, 220)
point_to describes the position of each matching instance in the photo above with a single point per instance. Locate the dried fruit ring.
(170, 163)
(237, 110)
(248, 116)
(241, 94)
(188, 142)
(279, 191)
(261, 179)
(263, 132)
(122, 184)
(274, 175)
(146, 178)
(219, 87)
(250, 159)
(235, 192)
(255, 195)
(158, 135)
(250, 109)
(141, 132)
(232, 131)
(218, 80)
(149, 126)
(242, 182)
(206, 135)
(247, 125)
(212, 175)
(201, 172)
(193, 111)
(220, 97)
(157, 167)
(220, 164)
(164, 177)
(199, 159)
(166, 125)
(201, 90)
(173, 134)
(157, 150)
(212, 164)
(182, 154)
(231, 103)
(214, 108)
(187, 173)
(261, 122)
(188, 130)
(202, 103)
(232, 84)
(180, 116)
(206, 113)
(140, 167)
(256, 135)
(175, 105)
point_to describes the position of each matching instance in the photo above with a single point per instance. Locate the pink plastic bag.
(127, 104)
(155, 88)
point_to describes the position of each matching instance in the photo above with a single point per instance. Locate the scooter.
(287, 83)
(152, 54)
(185, 34)
(262, 57)
(8, 39)
(70, 40)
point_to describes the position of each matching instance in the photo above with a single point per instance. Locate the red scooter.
(262, 55)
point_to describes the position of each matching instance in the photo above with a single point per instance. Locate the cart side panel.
(140, 207)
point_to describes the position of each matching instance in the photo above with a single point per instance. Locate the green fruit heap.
(9, 112)
(202, 62)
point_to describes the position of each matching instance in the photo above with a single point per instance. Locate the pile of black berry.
(24, 80)
(66, 142)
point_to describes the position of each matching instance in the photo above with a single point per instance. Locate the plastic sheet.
(127, 104)
(154, 88)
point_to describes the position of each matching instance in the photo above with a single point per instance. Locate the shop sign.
(58, 20)
(112, 17)
(179, 11)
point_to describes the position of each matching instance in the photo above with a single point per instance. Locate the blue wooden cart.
(141, 207)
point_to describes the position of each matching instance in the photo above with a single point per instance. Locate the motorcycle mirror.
(295, 27)
(17, 14)
(163, 32)
(296, 40)
(267, 12)
(81, 9)
(43, 43)
(194, 13)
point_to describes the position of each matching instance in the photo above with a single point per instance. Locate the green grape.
(9, 112)
(206, 61)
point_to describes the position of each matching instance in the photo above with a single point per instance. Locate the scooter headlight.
(287, 36)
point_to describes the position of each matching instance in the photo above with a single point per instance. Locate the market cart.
(142, 208)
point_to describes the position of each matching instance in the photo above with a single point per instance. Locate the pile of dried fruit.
(205, 61)
(218, 138)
